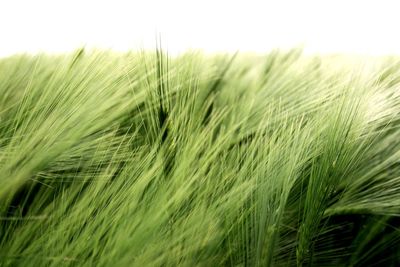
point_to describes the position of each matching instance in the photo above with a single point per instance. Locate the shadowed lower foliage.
(140, 159)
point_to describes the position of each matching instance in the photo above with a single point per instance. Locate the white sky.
(362, 27)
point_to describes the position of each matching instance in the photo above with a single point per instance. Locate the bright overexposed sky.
(340, 26)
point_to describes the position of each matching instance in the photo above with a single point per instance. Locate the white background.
(361, 27)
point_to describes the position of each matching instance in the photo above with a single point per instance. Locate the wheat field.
(147, 159)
